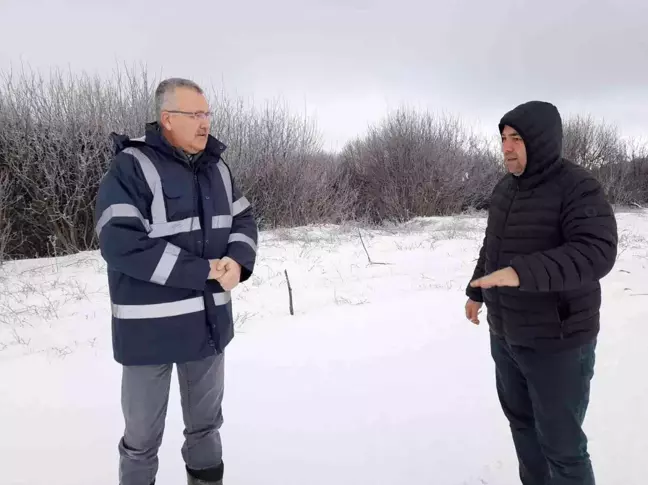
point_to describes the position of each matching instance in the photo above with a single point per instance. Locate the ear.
(165, 121)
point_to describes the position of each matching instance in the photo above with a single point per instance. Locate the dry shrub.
(414, 164)
(55, 147)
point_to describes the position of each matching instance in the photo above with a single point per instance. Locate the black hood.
(540, 126)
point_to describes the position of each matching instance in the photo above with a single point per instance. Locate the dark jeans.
(544, 397)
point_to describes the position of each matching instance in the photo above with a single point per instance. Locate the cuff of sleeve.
(527, 282)
(242, 257)
(475, 294)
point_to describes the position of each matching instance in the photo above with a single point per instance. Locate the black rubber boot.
(212, 476)
(191, 480)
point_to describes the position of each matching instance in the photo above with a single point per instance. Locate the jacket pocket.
(179, 201)
(561, 314)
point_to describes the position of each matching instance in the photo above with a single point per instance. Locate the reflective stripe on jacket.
(161, 216)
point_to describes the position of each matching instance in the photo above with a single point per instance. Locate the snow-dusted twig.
(290, 297)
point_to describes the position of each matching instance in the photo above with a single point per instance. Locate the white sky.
(349, 61)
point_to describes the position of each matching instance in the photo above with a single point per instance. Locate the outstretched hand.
(503, 277)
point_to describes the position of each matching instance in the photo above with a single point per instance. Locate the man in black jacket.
(551, 236)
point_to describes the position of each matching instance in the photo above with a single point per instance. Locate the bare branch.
(290, 296)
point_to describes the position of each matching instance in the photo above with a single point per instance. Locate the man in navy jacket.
(177, 236)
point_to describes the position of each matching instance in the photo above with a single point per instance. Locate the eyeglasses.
(200, 115)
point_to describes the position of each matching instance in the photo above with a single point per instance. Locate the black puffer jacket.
(554, 226)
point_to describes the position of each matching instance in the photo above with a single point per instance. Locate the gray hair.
(167, 87)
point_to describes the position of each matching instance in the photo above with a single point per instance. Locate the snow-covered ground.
(377, 378)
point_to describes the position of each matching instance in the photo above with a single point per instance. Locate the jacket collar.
(153, 137)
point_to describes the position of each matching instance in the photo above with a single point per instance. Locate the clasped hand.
(226, 271)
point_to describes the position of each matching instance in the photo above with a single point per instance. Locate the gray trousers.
(145, 395)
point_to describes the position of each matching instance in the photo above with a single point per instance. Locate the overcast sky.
(348, 62)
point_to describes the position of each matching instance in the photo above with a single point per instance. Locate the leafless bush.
(590, 143)
(5, 221)
(55, 147)
(415, 164)
(621, 167)
(635, 188)
(278, 159)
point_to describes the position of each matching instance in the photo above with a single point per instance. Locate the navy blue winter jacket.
(161, 216)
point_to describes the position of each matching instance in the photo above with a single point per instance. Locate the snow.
(376, 379)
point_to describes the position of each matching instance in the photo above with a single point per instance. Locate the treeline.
(55, 147)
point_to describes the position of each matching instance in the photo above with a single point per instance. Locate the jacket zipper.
(508, 213)
(196, 208)
(517, 189)
(560, 318)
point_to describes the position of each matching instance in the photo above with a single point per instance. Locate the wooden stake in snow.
(290, 297)
(365, 248)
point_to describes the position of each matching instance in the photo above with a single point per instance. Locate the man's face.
(514, 150)
(187, 120)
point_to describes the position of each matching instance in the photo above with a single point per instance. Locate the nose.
(507, 146)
